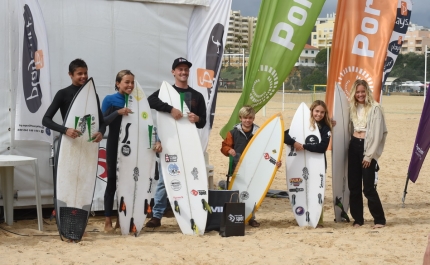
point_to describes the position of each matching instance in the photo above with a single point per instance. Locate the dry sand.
(278, 239)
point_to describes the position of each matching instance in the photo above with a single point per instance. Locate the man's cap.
(179, 61)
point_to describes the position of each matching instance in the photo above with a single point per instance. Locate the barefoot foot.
(376, 226)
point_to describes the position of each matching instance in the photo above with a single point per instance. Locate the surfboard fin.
(194, 226)
(206, 206)
(122, 206)
(132, 226)
(177, 207)
(343, 214)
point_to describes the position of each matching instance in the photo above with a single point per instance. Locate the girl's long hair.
(353, 103)
(325, 120)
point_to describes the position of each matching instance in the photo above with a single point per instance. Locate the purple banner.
(422, 143)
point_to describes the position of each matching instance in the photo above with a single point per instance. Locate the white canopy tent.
(143, 36)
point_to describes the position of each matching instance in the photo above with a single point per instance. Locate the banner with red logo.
(207, 34)
(33, 95)
(360, 39)
(404, 8)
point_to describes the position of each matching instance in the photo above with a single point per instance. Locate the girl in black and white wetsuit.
(319, 118)
(113, 109)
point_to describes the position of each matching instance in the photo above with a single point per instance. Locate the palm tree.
(228, 48)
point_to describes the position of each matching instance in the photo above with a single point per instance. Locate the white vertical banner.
(207, 34)
(34, 90)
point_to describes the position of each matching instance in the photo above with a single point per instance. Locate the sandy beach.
(278, 239)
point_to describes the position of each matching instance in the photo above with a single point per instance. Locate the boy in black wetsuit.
(78, 72)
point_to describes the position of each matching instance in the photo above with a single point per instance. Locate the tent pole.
(405, 191)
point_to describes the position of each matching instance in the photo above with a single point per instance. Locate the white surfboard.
(257, 168)
(76, 167)
(136, 163)
(183, 165)
(340, 145)
(305, 171)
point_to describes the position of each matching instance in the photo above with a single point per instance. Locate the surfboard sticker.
(257, 168)
(305, 171)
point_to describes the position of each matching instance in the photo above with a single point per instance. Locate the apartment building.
(417, 37)
(240, 32)
(322, 37)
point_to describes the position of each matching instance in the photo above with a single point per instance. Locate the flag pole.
(405, 191)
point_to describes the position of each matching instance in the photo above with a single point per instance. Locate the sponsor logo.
(236, 218)
(272, 160)
(419, 152)
(322, 181)
(266, 156)
(296, 181)
(170, 158)
(175, 185)
(394, 47)
(299, 210)
(32, 62)
(402, 22)
(351, 73)
(125, 140)
(312, 139)
(178, 197)
(198, 192)
(173, 170)
(217, 209)
(205, 77)
(150, 185)
(144, 115)
(244, 195)
(48, 131)
(296, 190)
(102, 166)
(195, 173)
(214, 51)
(126, 150)
(136, 174)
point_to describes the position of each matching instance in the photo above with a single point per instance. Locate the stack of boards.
(340, 144)
(305, 171)
(136, 163)
(183, 165)
(76, 165)
(257, 168)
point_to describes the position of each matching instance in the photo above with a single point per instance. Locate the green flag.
(283, 28)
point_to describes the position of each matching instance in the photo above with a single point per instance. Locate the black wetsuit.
(193, 98)
(62, 101)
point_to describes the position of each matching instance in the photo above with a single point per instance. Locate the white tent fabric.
(144, 36)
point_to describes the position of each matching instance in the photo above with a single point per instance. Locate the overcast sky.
(420, 9)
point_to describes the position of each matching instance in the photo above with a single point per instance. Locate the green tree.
(315, 78)
(321, 58)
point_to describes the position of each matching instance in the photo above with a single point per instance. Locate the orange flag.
(361, 34)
